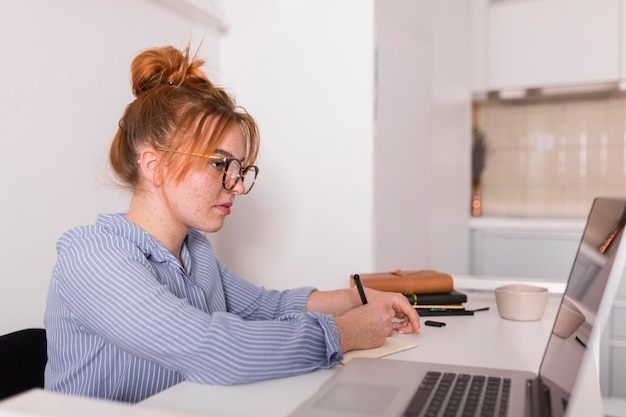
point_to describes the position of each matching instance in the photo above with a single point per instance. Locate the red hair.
(176, 107)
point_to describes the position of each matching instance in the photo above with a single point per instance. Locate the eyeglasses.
(231, 169)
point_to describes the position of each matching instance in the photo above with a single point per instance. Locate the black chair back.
(23, 357)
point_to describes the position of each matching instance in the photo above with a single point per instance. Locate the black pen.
(359, 286)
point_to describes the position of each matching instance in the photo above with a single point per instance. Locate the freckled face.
(200, 201)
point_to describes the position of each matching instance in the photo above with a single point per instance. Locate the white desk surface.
(484, 339)
(40, 403)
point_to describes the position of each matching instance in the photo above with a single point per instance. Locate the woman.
(138, 302)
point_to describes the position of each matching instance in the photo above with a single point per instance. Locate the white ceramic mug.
(521, 302)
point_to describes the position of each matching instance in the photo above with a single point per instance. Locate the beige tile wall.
(550, 157)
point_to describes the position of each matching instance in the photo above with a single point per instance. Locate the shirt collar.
(118, 224)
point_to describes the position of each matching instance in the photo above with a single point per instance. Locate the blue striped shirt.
(125, 320)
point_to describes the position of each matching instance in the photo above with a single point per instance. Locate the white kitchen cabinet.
(524, 248)
(552, 43)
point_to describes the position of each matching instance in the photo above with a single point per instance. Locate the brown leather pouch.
(408, 282)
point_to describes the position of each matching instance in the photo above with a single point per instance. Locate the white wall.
(421, 151)
(307, 71)
(365, 159)
(64, 83)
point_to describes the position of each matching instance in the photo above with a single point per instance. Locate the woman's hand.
(408, 318)
(366, 326)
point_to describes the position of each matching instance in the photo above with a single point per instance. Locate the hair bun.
(168, 66)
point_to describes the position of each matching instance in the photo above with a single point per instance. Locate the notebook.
(392, 345)
(392, 388)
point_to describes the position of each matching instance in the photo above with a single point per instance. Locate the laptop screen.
(595, 264)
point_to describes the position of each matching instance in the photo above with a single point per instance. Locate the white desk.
(483, 340)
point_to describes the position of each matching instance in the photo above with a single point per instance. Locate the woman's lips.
(224, 208)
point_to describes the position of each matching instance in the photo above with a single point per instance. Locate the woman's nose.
(239, 188)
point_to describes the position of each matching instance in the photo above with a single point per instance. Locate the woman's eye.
(218, 164)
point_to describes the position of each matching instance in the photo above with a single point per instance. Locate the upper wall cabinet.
(548, 43)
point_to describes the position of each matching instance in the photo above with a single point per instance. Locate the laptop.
(380, 387)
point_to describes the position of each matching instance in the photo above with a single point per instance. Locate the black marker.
(359, 286)
(434, 323)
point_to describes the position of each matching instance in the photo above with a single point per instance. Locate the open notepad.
(391, 345)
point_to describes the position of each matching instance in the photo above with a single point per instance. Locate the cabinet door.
(539, 43)
(512, 253)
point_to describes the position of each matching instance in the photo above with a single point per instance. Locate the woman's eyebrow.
(223, 153)
(226, 154)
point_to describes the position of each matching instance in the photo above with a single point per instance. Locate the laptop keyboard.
(452, 395)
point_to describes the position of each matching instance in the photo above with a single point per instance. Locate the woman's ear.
(150, 166)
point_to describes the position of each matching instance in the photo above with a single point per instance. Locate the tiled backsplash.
(550, 157)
